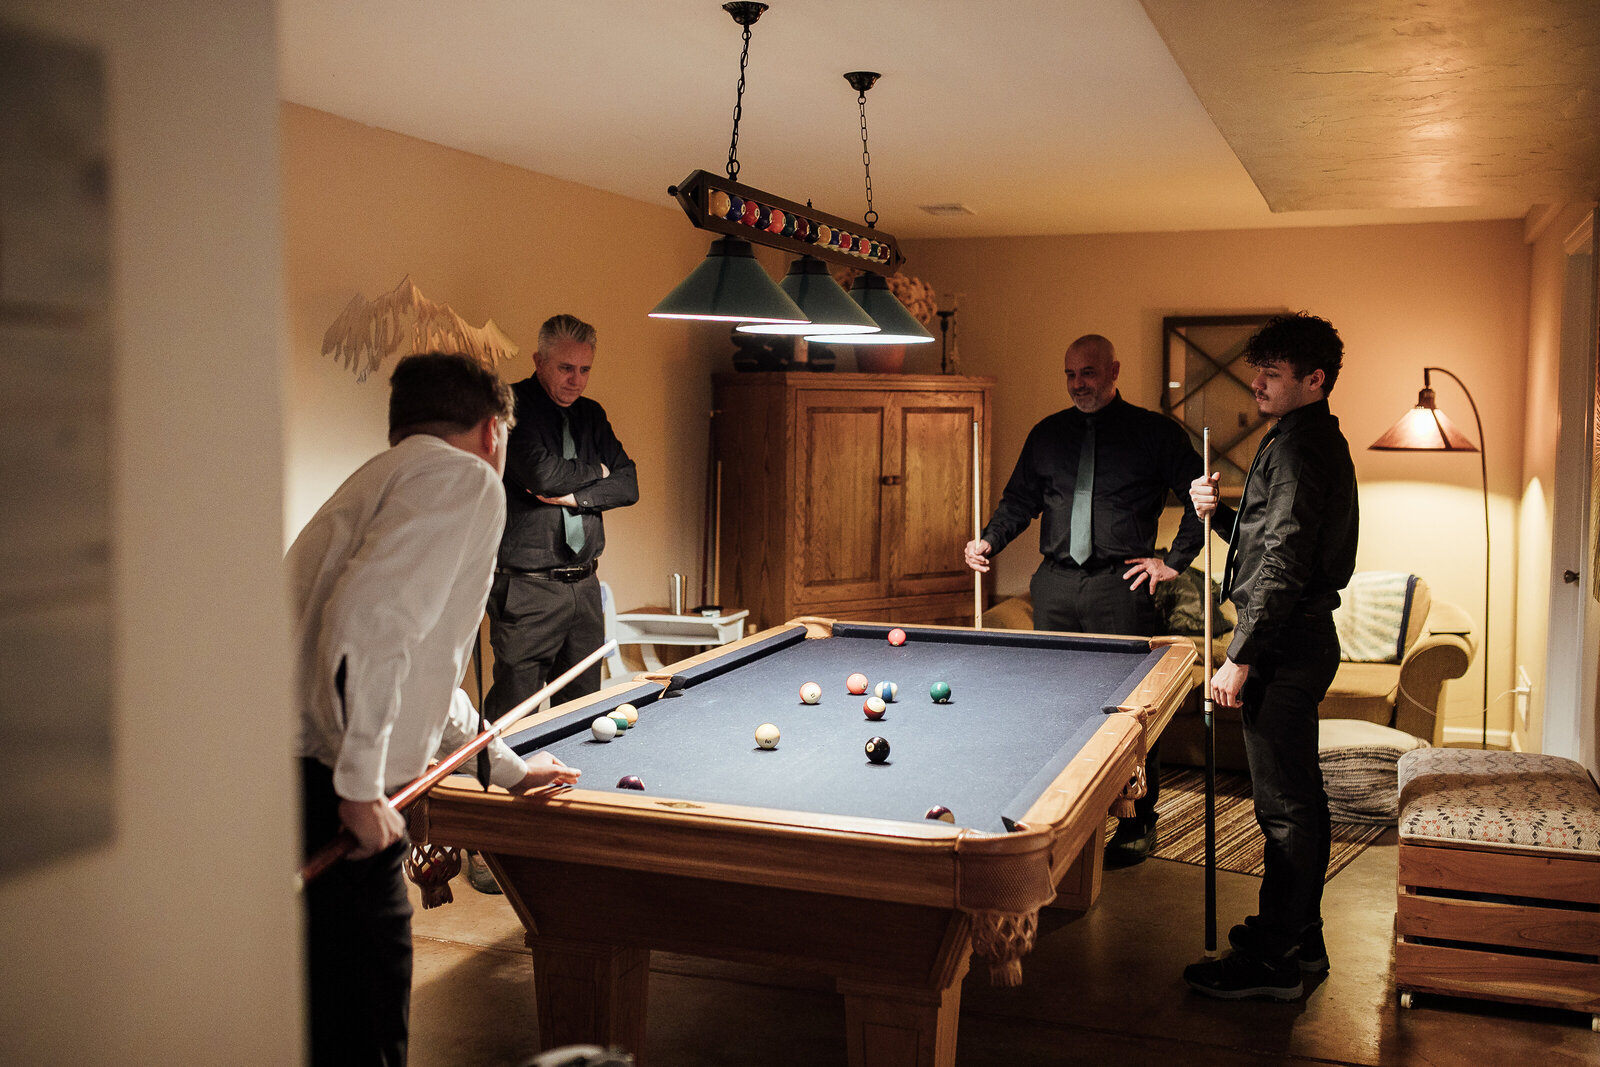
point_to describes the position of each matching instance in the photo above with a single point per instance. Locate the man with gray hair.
(564, 469)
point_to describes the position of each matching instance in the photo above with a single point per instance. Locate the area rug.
(1181, 822)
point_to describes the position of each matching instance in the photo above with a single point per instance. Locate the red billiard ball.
(874, 708)
(897, 636)
(775, 223)
(752, 211)
(856, 683)
(877, 749)
(940, 812)
(632, 781)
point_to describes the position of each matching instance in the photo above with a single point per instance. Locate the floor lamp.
(1426, 429)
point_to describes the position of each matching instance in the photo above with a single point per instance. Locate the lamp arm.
(1483, 466)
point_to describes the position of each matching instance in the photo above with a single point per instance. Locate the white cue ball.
(767, 735)
(604, 728)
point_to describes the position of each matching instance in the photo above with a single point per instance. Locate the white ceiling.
(1041, 116)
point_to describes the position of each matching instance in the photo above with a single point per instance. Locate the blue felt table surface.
(1016, 716)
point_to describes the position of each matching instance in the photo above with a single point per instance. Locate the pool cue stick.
(344, 840)
(977, 531)
(1211, 726)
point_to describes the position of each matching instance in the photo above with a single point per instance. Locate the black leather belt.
(553, 574)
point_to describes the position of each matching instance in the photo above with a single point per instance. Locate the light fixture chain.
(871, 216)
(738, 109)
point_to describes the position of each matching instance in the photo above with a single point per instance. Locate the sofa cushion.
(1380, 615)
(1362, 691)
(1358, 769)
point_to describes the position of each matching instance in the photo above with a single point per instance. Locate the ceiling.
(1038, 116)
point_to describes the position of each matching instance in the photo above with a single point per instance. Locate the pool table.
(808, 855)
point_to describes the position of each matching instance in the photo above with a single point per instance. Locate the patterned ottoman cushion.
(1521, 799)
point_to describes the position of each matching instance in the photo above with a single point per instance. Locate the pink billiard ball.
(856, 683)
(897, 636)
(874, 708)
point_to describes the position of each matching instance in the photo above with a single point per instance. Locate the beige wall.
(1403, 297)
(365, 207)
(177, 942)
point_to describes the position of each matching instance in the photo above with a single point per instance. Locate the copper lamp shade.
(1424, 429)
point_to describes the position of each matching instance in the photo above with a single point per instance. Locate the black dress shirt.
(1140, 456)
(1292, 542)
(535, 534)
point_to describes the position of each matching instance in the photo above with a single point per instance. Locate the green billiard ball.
(940, 692)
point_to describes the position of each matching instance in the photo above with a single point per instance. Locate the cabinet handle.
(889, 479)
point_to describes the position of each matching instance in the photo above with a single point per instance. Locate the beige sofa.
(1404, 695)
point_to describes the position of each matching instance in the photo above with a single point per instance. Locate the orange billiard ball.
(897, 636)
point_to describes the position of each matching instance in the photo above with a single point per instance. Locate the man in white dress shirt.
(388, 582)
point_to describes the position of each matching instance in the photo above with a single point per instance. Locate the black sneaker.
(1311, 955)
(1239, 975)
(480, 877)
(1131, 844)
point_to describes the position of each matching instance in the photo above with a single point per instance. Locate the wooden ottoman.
(1499, 885)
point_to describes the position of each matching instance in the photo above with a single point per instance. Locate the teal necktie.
(570, 520)
(1081, 546)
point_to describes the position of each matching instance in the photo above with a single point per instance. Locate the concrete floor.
(1098, 988)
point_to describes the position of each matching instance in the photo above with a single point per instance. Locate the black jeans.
(1097, 600)
(538, 628)
(1280, 700)
(358, 942)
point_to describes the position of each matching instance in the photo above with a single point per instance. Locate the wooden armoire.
(848, 495)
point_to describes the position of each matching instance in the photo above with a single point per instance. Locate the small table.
(651, 626)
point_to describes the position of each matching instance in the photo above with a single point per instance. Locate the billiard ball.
(856, 683)
(775, 221)
(632, 781)
(877, 749)
(752, 211)
(886, 691)
(940, 692)
(629, 712)
(767, 735)
(603, 728)
(620, 719)
(874, 708)
(810, 693)
(717, 204)
(897, 636)
(940, 812)
(735, 208)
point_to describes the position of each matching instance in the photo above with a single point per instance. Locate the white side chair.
(612, 666)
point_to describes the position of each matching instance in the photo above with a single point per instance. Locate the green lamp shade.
(729, 286)
(896, 325)
(830, 309)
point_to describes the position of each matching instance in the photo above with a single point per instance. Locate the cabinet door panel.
(932, 514)
(839, 528)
